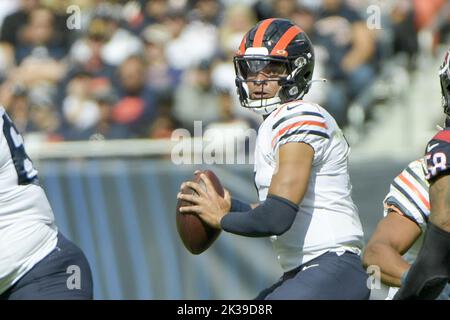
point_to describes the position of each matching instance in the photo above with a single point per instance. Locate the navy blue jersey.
(437, 155)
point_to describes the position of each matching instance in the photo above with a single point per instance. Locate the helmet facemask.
(287, 73)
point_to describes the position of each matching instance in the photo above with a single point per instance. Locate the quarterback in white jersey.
(327, 218)
(399, 235)
(28, 234)
(301, 173)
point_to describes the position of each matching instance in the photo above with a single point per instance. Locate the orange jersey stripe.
(298, 124)
(415, 190)
(285, 39)
(259, 35)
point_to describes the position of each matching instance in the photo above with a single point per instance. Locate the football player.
(301, 173)
(36, 261)
(430, 272)
(401, 231)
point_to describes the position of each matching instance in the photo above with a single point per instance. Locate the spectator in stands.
(208, 11)
(38, 38)
(284, 8)
(440, 25)
(105, 128)
(14, 22)
(145, 13)
(38, 52)
(15, 99)
(161, 77)
(274, 9)
(137, 107)
(45, 122)
(121, 43)
(80, 111)
(32, 111)
(191, 42)
(196, 98)
(404, 29)
(351, 48)
(116, 43)
(86, 53)
(263, 9)
(165, 123)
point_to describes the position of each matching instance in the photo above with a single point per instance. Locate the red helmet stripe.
(285, 39)
(259, 35)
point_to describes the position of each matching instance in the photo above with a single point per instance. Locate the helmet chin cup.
(263, 106)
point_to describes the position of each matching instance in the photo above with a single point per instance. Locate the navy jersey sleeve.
(438, 155)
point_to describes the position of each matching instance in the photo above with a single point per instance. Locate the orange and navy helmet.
(282, 46)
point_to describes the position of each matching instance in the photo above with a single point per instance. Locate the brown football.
(196, 235)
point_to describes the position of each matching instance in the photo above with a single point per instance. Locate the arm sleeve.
(273, 217)
(239, 206)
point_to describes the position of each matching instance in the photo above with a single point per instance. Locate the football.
(196, 235)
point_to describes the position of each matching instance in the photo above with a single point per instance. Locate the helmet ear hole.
(293, 91)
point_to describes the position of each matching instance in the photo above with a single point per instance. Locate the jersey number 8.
(437, 164)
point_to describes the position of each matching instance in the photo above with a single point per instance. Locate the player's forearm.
(273, 217)
(391, 263)
(240, 206)
(429, 274)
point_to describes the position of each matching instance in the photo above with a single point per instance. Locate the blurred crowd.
(140, 69)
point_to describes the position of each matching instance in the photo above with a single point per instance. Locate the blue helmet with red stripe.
(280, 45)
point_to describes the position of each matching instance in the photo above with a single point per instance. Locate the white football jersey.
(408, 196)
(327, 219)
(27, 229)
